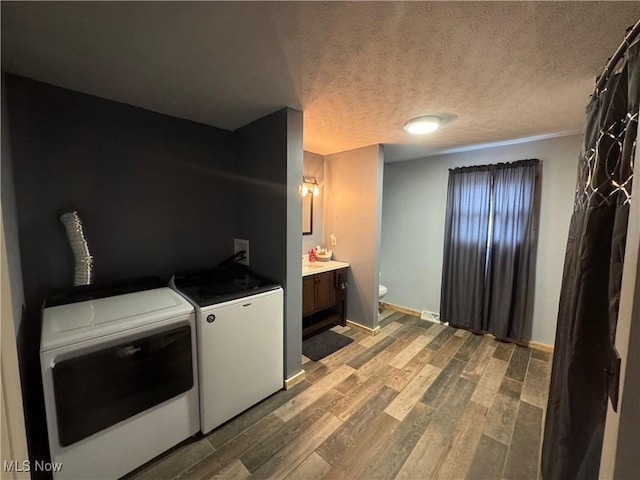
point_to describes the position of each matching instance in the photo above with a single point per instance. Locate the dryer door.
(96, 390)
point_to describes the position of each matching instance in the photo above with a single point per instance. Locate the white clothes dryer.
(119, 375)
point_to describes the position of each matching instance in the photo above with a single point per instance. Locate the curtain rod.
(628, 39)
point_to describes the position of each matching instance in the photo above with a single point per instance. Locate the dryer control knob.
(211, 318)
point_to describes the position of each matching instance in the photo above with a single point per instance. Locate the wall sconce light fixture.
(309, 184)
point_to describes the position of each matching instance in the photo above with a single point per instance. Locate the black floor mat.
(324, 344)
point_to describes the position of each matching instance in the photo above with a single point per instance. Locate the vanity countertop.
(311, 268)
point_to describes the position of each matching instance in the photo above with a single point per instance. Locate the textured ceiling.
(358, 71)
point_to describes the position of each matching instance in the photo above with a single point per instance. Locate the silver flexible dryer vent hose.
(83, 274)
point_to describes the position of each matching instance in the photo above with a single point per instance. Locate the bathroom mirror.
(307, 214)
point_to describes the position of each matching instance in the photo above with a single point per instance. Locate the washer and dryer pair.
(134, 368)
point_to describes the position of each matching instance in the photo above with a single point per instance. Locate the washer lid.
(218, 285)
(77, 322)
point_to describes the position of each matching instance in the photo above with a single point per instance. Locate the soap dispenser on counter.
(312, 255)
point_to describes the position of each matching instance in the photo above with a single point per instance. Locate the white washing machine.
(119, 375)
(239, 318)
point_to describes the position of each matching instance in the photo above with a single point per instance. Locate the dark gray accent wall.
(270, 212)
(156, 195)
(153, 191)
(293, 305)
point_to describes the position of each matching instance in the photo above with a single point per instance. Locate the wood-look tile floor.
(417, 401)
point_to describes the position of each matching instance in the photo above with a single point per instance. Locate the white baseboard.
(363, 328)
(423, 315)
(291, 382)
(435, 318)
(543, 347)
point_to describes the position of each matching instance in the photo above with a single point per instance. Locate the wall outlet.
(334, 240)
(240, 244)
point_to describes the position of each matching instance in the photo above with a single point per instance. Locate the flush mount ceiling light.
(422, 125)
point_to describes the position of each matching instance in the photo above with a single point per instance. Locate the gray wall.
(414, 215)
(313, 166)
(156, 195)
(352, 210)
(270, 212)
(12, 244)
(10, 217)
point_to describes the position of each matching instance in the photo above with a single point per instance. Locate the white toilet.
(382, 291)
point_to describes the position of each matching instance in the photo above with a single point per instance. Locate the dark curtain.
(465, 247)
(508, 294)
(584, 360)
(489, 243)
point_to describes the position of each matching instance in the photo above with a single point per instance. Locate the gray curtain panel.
(489, 246)
(509, 283)
(465, 247)
(584, 361)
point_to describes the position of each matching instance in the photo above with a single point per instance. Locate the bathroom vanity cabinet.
(324, 301)
(318, 292)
